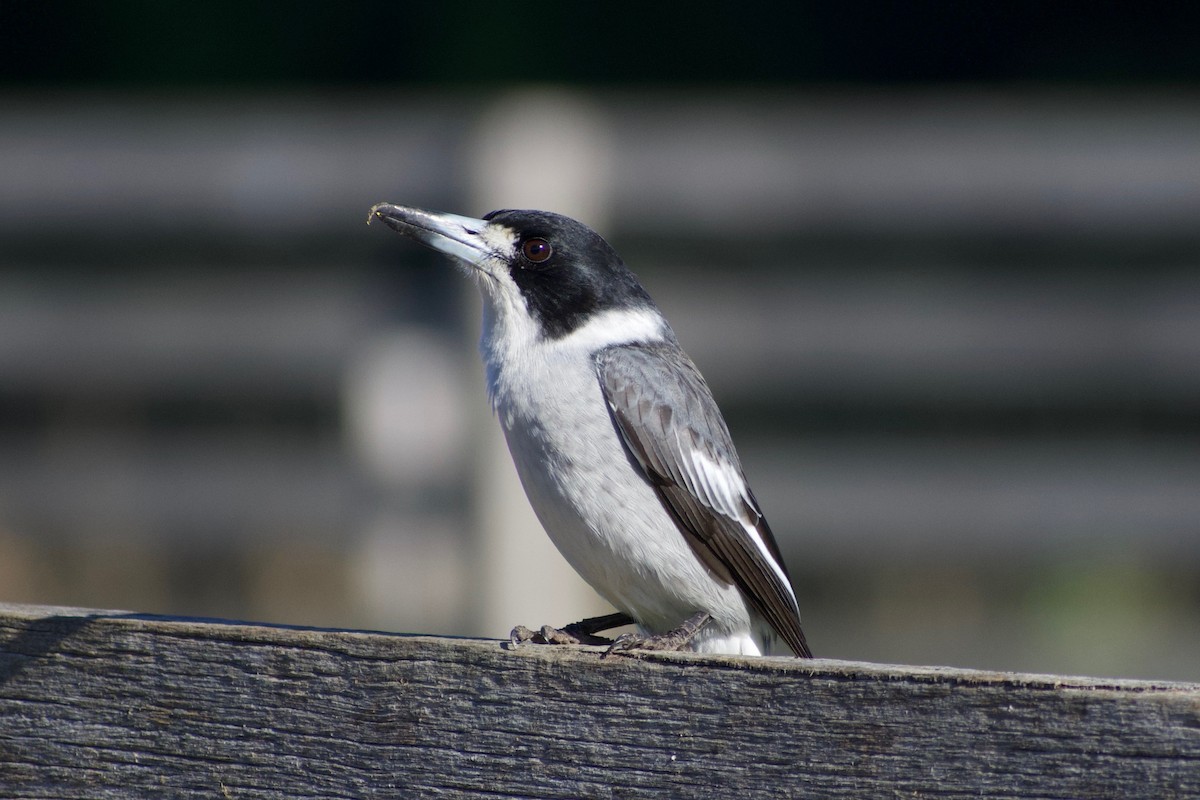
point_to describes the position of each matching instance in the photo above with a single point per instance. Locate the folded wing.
(670, 423)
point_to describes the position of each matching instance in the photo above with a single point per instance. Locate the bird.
(617, 439)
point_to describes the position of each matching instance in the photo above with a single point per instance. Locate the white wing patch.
(722, 489)
(716, 484)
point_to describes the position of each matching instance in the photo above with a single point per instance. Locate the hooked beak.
(460, 237)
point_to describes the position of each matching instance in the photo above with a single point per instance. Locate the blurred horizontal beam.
(828, 498)
(1024, 161)
(892, 500)
(194, 488)
(258, 164)
(810, 337)
(939, 335)
(256, 332)
(908, 161)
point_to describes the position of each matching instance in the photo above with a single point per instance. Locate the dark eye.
(537, 250)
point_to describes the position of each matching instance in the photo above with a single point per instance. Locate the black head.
(564, 270)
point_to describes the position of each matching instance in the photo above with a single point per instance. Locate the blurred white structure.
(550, 150)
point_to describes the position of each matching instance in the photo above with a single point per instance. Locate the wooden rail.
(107, 704)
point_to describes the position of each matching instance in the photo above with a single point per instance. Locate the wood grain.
(106, 704)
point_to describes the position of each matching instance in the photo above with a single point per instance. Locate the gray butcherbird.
(616, 437)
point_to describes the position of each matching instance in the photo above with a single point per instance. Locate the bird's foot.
(548, 634)
(582, 632)
(677, 639)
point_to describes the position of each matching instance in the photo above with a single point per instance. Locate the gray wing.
(670, 423)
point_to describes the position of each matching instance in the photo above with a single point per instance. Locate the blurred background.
(940, 264)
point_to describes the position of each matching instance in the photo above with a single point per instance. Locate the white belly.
(604, 517)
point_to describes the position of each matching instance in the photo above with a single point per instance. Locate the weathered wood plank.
(105, 705)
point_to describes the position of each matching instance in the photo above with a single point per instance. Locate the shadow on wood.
(105, 704)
